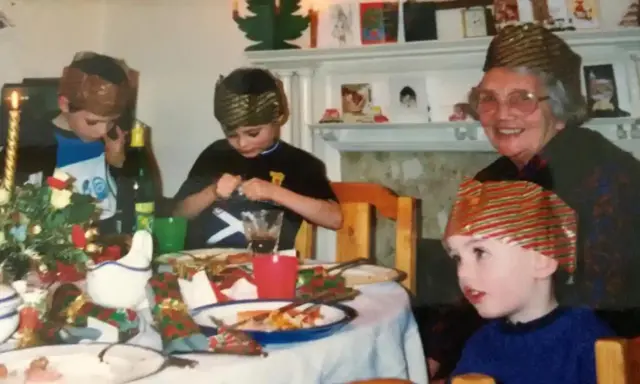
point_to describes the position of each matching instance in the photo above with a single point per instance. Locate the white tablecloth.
(382, 341)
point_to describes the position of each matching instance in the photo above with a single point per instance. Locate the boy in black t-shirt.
(251, 169)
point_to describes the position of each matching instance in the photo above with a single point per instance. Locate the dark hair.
(250, 81)
(407, 91)
(103, 66)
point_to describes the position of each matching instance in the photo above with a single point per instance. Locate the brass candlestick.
(11, 150)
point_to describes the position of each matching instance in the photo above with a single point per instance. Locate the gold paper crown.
(517, 213)
(93, 93)
(234, 110)
(535, 47)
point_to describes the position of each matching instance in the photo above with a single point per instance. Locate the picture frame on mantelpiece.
(603, 98)
(408, 99)
(585, 13)
(444, 14)
(474, 22)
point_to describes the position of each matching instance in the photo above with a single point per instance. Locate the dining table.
(382, 341)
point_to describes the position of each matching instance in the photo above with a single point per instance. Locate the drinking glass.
(262, 230)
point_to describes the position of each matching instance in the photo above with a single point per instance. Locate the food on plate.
(239, 258)
(4, 372)
(280, 321)
(40, 372)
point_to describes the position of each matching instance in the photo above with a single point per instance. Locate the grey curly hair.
(566, 106)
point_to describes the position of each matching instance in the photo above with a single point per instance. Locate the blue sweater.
(557, 348)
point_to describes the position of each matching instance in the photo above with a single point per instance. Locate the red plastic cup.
(275, 276)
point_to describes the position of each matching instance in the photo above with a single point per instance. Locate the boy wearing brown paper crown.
(252, 169)
(83, 140)
(509, 239)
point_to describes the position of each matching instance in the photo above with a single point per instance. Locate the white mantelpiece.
(449, 136)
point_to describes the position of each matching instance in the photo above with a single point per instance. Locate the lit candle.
(11, 150)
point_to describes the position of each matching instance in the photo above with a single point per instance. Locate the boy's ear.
(63, 104)
(544, 266)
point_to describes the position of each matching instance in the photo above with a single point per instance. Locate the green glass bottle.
(143, 185)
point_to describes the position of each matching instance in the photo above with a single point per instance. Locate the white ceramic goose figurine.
(122, 283)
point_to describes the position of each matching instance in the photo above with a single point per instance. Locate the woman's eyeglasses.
(521, 101)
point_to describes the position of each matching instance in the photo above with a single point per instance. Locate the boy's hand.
(258, 189)
(227, 184)
(115, 148)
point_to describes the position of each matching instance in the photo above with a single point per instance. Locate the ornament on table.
(32, 311)
(74, 317)
(131, 273)
(331, 115)
(37, 227)
(631, 17)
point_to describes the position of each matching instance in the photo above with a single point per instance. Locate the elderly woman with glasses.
(530, 105)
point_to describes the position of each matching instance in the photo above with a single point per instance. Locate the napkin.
(197, 291)
(70, 307)
(178, 330)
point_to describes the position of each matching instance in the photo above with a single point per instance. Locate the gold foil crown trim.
(93, 93)
(517, 213)
(234, 110)
(535, 47)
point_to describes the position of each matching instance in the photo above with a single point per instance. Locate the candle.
(11, 150)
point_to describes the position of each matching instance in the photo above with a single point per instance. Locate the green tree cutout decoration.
(271, 26)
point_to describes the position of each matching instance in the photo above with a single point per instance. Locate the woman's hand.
(227, 184)
(115, 148)
(259, 190)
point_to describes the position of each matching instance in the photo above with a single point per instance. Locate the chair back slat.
(473, 378)
(618, 361)
(354, 238)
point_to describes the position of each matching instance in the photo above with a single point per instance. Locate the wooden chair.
(618, 361)
(354, 240)
(473, 379)
(382, 381)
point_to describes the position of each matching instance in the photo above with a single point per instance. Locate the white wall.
(180, 47)
(46, 36)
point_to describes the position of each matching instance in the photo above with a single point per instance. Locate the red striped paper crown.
(517, 213)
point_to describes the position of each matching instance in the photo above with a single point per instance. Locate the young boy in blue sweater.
(508, 240)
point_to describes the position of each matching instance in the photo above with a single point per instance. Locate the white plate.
(333, 318)
(363, 274)
(79, 363)
(207, 253)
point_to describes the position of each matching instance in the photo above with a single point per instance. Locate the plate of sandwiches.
(358, 273)
(230, 256)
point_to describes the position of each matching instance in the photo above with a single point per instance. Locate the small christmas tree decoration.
(272, 26)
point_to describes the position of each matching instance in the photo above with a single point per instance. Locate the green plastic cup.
(170, 234)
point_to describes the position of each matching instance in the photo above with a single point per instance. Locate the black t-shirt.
(220, 225)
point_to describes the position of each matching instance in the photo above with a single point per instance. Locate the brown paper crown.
(238, 109)
(518, 213)
(91, 92)
(535, 47)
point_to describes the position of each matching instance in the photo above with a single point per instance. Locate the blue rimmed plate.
(334, 317)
